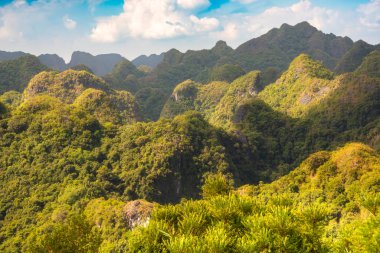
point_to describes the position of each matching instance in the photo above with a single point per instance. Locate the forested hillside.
(217, 150)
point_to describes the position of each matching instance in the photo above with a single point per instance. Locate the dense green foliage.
(226, 72)
(11, 98)
(370, 65)
(181, 100)
(66, 85)
(115, 107)
(83, 67)
(124, 76)
(233, 165)
(44, 149)
(300, 87)
(352, 59)
(270, 53)
(85, 90)
(239, 91)
(311, 210)
(15, 74)
(3, 110)
(150, 101)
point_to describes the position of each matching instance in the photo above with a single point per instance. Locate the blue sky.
(134, 27)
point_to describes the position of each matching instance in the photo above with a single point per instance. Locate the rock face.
(151, 61)
(53, 61)
(138, 212)
(99, 64)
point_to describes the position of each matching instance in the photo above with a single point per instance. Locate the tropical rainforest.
(270, 147)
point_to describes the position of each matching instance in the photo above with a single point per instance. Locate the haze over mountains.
(269, 147)
(281, 45)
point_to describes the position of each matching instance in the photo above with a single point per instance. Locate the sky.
(135, 27)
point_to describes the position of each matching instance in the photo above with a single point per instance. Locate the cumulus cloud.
(204, 24)
(69, 23)
(19, 3)
(10, 22)
(245, 1)
(370, 14)
(25, 20)
(229, 32)
(192, 4)
(298, 12)
(150, 19)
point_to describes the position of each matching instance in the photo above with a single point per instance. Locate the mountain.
(151, 61)
(181, 100)
(15, 74)
(4, 56)
(270, 53)
(284, 131)
(117, 108)
(66, 86)
(303, 85)
(222, 49)
(201, 154)
(99, 64)
(124, 76)
(88, 92)
(239, 91)
(82, 67)
(53, 61)
(195, 65)
(225, 72)
(305, 110)
(370, 65)
(151, 101)
(200, 66)
(280, 46)
(353, 57)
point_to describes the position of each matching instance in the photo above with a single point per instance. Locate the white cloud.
(69, 23)
(192, 4)
(36, 26)
(302, 11)
(204, 24)
(22, 20)
(245, 1)
(150, 19)
(19, 3)
(11, 20)
(361, 23)
(370, 14)
(230, 32)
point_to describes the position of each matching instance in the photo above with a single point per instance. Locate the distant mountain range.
(270, 53)
(151, 61)
(99, 64)
(275, 49)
